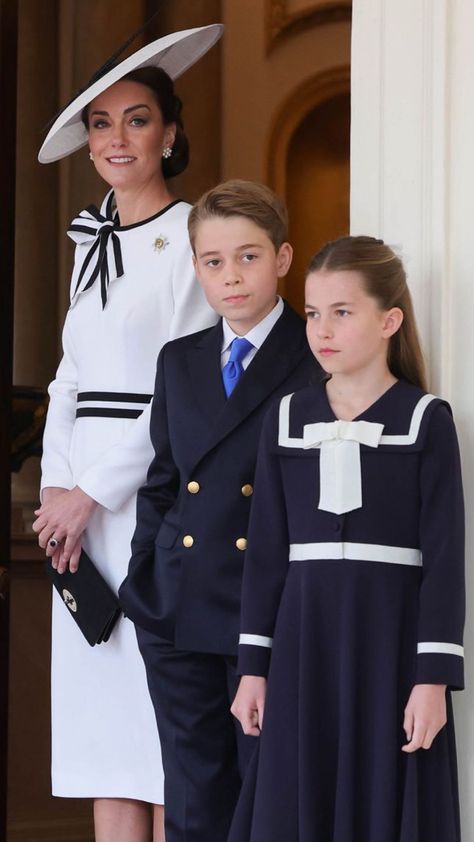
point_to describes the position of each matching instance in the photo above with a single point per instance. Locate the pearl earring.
(167, 152)
(91, 156)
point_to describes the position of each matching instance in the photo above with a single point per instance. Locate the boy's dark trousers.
(204, 750)
(184, 580)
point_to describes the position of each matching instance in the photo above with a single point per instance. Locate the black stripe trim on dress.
(99, 412)
(149, 219)
(83, 229)
(123, 397)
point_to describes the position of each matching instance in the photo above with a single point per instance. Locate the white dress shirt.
(256, 336)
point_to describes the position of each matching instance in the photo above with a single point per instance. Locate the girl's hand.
(425, 715)
(249, 704)
(66, 515)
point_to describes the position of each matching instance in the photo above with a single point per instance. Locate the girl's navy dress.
(353, 592)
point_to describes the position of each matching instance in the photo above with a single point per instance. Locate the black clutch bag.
(91, 603)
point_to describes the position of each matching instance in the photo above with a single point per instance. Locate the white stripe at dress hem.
(355, 552)
(439, 648)
(256, 640)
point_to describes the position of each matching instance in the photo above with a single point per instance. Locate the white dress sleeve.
(55, 465)
(122, 469)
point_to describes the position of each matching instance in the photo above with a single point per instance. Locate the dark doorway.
(8, 65)
(317, 186)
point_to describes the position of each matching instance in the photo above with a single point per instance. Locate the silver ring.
(53, 542)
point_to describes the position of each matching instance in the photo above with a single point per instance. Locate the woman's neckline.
(148, 218)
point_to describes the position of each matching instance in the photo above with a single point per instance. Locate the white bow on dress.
(339, 467)
(104, 258)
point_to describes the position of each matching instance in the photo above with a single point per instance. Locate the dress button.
(188, 541)
(241, 543)
(247, 490)
(193, 487)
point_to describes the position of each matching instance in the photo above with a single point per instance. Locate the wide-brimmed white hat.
(173, 53)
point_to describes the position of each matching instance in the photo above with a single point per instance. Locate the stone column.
(412, 183)
(36, 198)
(35, 310)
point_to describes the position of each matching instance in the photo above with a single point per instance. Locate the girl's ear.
(391, 322)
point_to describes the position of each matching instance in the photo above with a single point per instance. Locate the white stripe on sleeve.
(436, 648)
(256, 640)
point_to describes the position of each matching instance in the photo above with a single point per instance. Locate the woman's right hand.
(57, 560)
(249, 703)
(65, 515)
(48, 494)
(51, 492)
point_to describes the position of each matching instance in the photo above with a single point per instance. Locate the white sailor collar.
(340, 442)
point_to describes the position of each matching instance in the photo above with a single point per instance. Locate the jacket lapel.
(205, 377)
(283, 349)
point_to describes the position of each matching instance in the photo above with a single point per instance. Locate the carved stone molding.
(282, 23)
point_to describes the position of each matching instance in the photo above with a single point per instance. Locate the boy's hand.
(249, 704)
(425, 715)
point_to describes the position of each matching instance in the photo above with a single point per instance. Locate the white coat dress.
(104, 735)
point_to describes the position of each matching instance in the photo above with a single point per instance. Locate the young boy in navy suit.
(212, 391)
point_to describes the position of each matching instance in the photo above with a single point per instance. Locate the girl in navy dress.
(353, 594)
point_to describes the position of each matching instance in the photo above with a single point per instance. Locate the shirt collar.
(257, 334)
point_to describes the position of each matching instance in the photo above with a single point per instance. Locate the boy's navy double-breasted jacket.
(184, 578)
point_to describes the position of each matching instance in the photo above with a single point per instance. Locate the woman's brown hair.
(385, 280)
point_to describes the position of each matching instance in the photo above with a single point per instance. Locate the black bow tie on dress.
(104, 257)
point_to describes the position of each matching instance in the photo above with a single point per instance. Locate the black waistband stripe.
(119, 397)
(102, 412)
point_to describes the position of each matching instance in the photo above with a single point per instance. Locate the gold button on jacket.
(247, 490)
(193, 487)
(188, 541)
(241, 543)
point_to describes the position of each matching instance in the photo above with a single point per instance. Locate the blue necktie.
(233, 370)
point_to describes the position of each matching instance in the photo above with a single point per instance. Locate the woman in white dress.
(132, 289)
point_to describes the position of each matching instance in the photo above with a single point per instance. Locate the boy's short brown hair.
(242, 198)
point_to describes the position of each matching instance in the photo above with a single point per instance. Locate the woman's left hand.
(66, 516)
(425, 715)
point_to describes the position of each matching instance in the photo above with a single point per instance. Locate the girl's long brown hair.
(385, 280)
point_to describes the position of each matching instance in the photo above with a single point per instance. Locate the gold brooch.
(160, 243)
